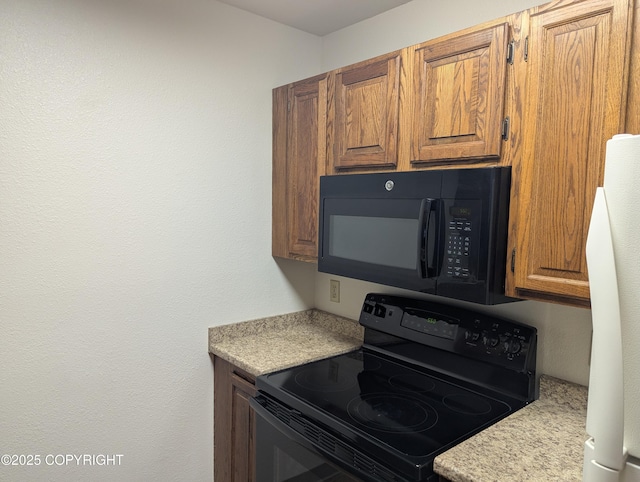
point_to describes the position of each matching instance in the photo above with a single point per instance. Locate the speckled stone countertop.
(544, 441)
(279, 342)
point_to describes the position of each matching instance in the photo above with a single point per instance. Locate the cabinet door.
(234, 451)
(364, 102)
(575, 102)
(299, 158)
(459, 90)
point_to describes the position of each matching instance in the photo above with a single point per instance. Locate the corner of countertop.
(542, 441)
(269, 344)
(336, 323)
(220, 333)
(562, 392)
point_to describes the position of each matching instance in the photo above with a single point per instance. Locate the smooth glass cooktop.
(401, 408)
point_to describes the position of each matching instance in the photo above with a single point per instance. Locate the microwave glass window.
(377, 240)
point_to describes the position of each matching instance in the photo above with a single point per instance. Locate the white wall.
(135, 187)
(135, 178)
(409, 24)
(564, 332)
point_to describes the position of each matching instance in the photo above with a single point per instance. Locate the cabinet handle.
(505, 128)
(510, 52)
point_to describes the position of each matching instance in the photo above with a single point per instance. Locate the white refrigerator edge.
(612, 451)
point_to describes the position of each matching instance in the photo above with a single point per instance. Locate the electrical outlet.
(334, 290)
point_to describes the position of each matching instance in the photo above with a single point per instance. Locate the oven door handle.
(305, 442)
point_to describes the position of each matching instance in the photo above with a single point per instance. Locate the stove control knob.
(491, 341)
(380, 311)
(512, 346)
(472, 336)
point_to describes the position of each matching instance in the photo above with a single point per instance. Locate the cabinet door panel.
(299, 158)
(242, 443)
(453, 83)
(364, 111)
(304, 158)
(233, 425)
(458, 86)
(575, 98)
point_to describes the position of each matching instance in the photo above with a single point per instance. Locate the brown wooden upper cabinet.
(363, 113)
(458, 96)
(572, 84)
(577, 67)
(438, 101)
(299, 159)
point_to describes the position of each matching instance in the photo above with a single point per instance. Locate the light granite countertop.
(279, 342)
(541, 442)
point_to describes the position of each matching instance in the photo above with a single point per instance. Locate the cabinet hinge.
(513, 260)
(510, 52)
(526, 48)
(505, 128)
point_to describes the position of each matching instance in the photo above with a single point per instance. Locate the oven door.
(283, 454)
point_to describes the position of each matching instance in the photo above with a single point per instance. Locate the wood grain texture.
(512, 148)
(279, 236)
(299, 159)
(243, 431)
(459, 91)
(364, 113)
(574, 103)
(305, 154)
(430, 105)
(233, 423)
(632, 121)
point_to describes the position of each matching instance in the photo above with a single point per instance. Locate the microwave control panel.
(462, 225)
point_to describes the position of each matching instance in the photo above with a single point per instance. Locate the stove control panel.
(446, 327)
(489, 338)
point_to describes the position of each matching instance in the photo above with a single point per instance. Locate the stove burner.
(467, 404)
(392, 413)
(412, 382)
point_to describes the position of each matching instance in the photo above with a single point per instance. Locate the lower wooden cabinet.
(233, 423)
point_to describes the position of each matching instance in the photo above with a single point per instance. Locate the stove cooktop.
(401, 414)
(405, 409)
(427, 377)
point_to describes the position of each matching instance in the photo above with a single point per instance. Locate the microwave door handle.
(425, 268)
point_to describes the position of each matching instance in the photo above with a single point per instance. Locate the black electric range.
(427, 377)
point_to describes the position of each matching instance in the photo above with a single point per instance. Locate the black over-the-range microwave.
(442, 232)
